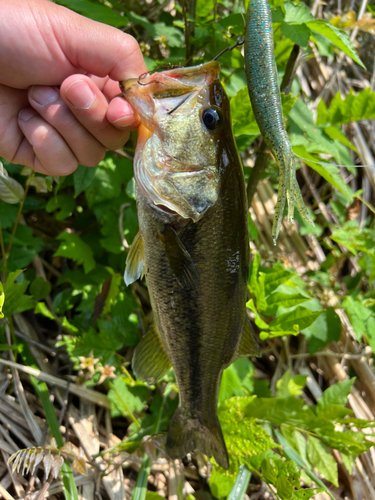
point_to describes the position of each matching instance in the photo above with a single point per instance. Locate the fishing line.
(323, 164)
(240, 41)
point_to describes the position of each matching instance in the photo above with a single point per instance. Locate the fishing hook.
(165, 66)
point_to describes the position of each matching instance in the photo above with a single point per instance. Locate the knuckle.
(117, 142)
(93, 159)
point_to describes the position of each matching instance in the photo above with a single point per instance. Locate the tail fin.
(188, 433)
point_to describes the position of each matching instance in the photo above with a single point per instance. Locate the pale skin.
(58, 86)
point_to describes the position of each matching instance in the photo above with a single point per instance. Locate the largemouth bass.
(261, 75)
(193, 246)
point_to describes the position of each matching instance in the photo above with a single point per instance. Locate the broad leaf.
(319, 455)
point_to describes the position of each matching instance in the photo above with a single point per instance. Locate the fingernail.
(26, 114)
(44, 95)
(80, 95)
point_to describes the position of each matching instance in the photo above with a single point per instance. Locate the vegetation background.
(297, 421)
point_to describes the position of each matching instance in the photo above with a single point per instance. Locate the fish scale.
(262, 82)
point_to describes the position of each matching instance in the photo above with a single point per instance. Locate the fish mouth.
(173, 82)
(166, 209)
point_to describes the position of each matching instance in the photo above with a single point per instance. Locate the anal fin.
(179, 259)
(249, 345)
(150, 361)
(134, 261)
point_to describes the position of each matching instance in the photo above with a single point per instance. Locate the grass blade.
(240, 486)
(140, 488)
(70, 487)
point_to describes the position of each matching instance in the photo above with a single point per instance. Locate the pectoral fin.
(249, 345)
(150, 361)
(134, 261)
(179, 259)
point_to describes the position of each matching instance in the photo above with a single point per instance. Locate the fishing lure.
(261, 75)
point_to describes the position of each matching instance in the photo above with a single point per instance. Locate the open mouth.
(166, 210)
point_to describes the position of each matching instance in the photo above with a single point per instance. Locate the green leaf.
(293, 455)
(284, 488)
(64, 203)
(335, 133)
(96, 11)
(204, 7)
(275, 277)
(287, 102)
(298, 33)
(322, 113)
(2, 298)
(127, 398)
(297, 13)
(361, 319)
(41, 308)
(152, 495)
(276, 411)
(258, 320)
(306, 493)
(15, 300)
(329, 172)
(230, 384)
(172, 36)
(348, 462)
(321, 458)
(73, 247)
(8, 215)
(282, 299)
(326, 329)
(236, 379)
(243, 119)
(244, 439)
(337, 37)
(11, 191)
(294, 321)
(336, 394)
(82, 178)
(109, 177)
(290, 386)
(354, 239)
(40, 288)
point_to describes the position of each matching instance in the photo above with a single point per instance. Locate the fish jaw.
(175, 164)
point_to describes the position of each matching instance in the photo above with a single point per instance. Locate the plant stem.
(5, 270)
(19, 213)
(188, 8)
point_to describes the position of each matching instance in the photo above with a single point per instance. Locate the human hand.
(58, 86)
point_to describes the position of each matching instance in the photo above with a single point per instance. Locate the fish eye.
(212, 118)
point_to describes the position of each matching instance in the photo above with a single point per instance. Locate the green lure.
(261, 75)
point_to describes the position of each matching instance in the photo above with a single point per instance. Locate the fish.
(262, 83)
(192, 246)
